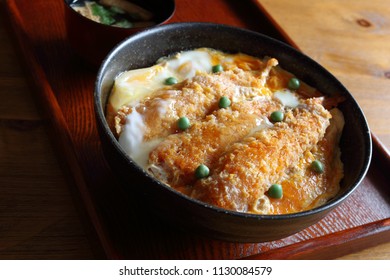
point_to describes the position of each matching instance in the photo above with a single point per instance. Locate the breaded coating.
(304, 188)
(246, 171)
(176, 158)
(194, 98)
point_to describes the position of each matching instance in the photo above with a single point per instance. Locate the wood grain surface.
(351, 38)
(39, 217)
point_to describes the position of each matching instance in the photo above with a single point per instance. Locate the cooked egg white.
(134, 85)
(131, 139)
(287, 98)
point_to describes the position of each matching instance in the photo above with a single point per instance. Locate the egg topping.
(254, 126)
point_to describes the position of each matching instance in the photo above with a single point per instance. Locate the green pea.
(317, 166)
(294, 83)
(275, 191)
(202, 171)
(277, 116)
(224, 102)
(217, 68)
(171, 81)
(183, 123)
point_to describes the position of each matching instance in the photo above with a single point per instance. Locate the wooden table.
(39, 218)
(352, 40)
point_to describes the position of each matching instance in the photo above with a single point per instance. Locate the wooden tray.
(119, 226)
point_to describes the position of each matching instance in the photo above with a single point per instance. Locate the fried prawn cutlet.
(246, 171)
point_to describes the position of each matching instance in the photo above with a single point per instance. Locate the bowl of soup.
(94, 27)
(228, 132)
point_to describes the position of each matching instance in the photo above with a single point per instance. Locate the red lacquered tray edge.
(345, 241)
(48, 104)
